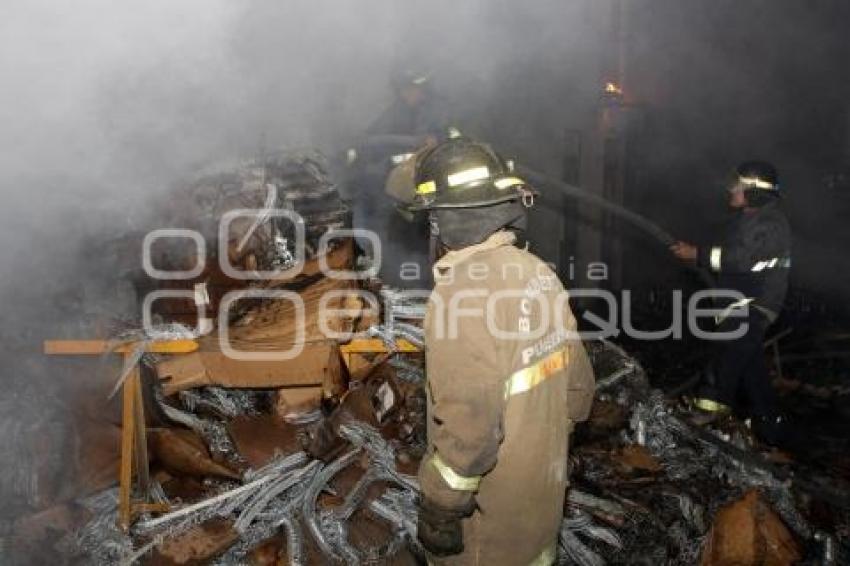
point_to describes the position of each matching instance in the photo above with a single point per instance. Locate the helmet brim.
(481, 195)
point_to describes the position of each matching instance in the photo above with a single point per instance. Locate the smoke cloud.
(106, 104)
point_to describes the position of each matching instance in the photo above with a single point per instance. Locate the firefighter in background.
(507, 377)
(416, 109)
(417, 118)
(753, 258)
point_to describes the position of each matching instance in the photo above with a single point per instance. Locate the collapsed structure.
(231, 474)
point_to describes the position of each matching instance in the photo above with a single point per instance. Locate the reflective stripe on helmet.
(468, 176)
(533, 375)
(452, 478)
(426, 188)
(756, 182)
(507, 182)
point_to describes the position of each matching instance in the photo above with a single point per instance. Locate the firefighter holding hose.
(754, 258)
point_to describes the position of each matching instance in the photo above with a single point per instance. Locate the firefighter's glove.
(439, 529)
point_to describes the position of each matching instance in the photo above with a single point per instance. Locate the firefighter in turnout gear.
(416, 109)
(417, 118)
(754, 258)
(507, 375)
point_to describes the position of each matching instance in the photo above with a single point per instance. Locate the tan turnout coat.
(501, 408)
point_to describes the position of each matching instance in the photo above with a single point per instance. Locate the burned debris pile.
(675, 493)
(236, 471)
(255, 221)
(246, 484)
(304, 449)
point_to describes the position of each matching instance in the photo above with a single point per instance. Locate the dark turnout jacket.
(754, 257)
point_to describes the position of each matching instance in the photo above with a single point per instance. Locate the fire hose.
(638, 221)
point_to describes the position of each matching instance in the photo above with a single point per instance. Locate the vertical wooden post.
(140, 434)
(134, 451)
(128, 418)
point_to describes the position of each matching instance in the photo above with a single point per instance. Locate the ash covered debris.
(258, 219)
(301, 183)
(358, 507)
(672, 491)
(647, 487)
